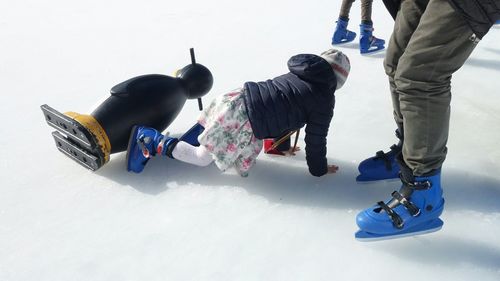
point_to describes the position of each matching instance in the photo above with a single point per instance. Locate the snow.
(59, 221)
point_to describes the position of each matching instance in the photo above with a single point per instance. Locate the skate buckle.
(141, 142)
(420, 185)
(159, 148)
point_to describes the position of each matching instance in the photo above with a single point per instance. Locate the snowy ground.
(59, 221)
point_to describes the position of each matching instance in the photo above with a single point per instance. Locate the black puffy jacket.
(479, 14)
(304, 96)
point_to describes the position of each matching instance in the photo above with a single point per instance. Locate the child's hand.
(332, 169)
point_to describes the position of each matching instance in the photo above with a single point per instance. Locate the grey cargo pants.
(429, 43)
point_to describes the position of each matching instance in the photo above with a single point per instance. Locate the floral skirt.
(228, 134)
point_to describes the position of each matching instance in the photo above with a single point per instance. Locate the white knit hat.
(340, 64)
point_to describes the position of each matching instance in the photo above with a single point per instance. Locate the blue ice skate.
(146, 142)
(413, 210)
(143, 144)
(191, 136)
(497, 22)
(367, 42)
(341, 34)
(383, 165)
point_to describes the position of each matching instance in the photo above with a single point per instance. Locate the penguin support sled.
(151, 99)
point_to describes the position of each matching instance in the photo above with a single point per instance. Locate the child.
(230, 131)
(367, 42)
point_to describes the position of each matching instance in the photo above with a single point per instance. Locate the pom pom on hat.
(340, 64)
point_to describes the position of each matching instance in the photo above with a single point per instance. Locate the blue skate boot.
(413, 210)
(367, 42)
(191, 136)
(497, 22)
(383, 165)
(145, 143)
(341, 34)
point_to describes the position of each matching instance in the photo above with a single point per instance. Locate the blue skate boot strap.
(408, 179)
(385, 157)
(402, 196)
(166, 146)
(400, 135)
(412, 208)
(142, 141)
(394, 149)
(399, 199)
(171, 144)
(397, 221)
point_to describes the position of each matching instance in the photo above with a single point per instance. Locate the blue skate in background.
(341, 34)
(367, 42)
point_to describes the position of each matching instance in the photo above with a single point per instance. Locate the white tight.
(196, 155)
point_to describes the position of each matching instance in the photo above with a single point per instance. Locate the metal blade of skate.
(425, 228)
(68, 126)
(73, 139)
(75, 152)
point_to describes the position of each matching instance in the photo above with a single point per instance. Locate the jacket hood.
(312, 68)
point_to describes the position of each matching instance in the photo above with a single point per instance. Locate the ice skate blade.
(68, 126)
(79, 137)
(78, 154)
(342, 42)
(371, 51)
(429, 227)
(367, 180)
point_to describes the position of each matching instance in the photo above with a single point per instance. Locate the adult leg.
(383, 165)
(405, 25)
(439, 46)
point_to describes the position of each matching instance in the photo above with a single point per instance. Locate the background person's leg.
(345, 9)
(341, 34)
(366, 11)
